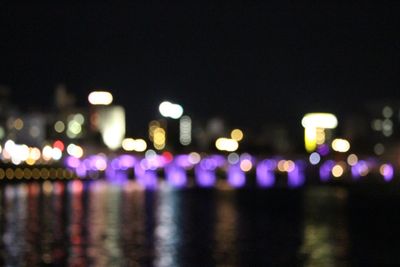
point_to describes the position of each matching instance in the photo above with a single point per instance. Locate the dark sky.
(248, 61)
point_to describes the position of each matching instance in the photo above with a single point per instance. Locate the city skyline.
(238, 60)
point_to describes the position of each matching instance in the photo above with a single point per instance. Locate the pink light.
(76, 186)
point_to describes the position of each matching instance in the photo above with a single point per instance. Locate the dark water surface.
(102, 224)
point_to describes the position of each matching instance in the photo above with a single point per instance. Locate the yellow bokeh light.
(237, 134)
(226, 144)
(337, 171)
(246, 165)
(288, 166)
(128, 144)
(281, 165)
(159, 138)
(18, 124)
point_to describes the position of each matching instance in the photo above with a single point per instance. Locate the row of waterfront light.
(35, 173)
(207, 168)
(22, 154)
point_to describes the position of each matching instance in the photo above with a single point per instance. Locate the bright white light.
(128, 144)
(9, 145)
(100, 98)
(319, 120)
(111, 123)
(340, 145)
(56, 153)
(226, 144)
(75, 150)
(19, 153)
(34, 153)
(140, 145)
(168, 109)
(47, 153)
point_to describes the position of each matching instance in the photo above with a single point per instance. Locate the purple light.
(176, 176)
(219, 160)
(115, 165)
(127, 161)
(323, 149)
(147, 178)
(204, 177)
(325, 170)
(236, 177)
(81, 170)
(265, 173)
(208, 164)
(387, 171)
(182, 161)
(72, 162)
(116, 177)
(153, 162)
(296, 176)
(359, 169)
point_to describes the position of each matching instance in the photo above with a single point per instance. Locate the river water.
(102, 224)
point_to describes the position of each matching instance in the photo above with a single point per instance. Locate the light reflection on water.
(103, 224)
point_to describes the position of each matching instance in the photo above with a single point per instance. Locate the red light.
(59, 144)
(167, 156)
(77, 186)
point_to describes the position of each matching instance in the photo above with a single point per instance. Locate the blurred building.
(109, 121)
(29, 129)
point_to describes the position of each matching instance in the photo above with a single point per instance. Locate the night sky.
(248, 62)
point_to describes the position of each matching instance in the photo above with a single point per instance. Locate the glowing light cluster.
(170, 110)
(130, 144)
(314, 128)
(21, 153)
(286, 165)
